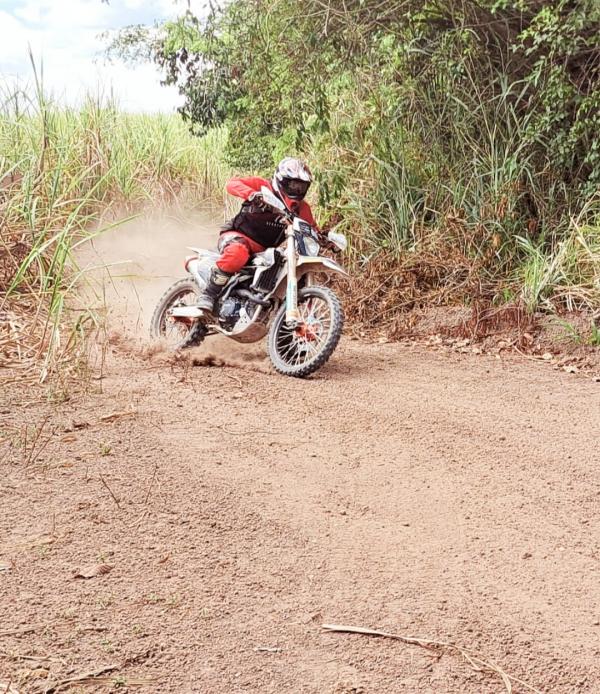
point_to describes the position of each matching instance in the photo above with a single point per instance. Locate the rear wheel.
(300, 350)
(178, 334)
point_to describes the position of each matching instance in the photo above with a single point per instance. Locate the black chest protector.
(264, 227)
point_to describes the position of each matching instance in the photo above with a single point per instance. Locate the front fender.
(305, 264)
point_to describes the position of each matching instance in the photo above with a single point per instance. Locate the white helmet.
(292, 178)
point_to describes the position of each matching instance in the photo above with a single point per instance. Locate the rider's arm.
(244, 187)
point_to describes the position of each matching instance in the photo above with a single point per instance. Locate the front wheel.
(177, 334)
(300, 350)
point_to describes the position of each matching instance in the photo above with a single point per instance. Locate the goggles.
(294, 187)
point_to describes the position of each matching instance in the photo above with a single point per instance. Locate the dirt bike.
(275, 293)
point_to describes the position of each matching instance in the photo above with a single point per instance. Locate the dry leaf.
(93, 571)
(5, 565)
(68, 438)
(39, 673)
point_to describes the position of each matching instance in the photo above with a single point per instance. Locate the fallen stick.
(110, 491)
(19, 632)
(34, 658)
(235, 378)
(245, 433)
(118, 682)
(41, 627)
(476, 662)
(87, 676)
(151, 484)
(117, 415)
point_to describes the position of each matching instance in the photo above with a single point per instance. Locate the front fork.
(292, 315)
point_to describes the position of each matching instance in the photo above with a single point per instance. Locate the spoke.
(286, 352)
(313, 349)
(322, 312)
(318, 311)
(299, 355)
(175, 331)
(323, 324)
(316, 346)
(287, 348)
(315, 314)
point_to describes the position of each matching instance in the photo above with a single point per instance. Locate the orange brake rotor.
(305, 331)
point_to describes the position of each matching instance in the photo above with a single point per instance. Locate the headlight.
(311, 246)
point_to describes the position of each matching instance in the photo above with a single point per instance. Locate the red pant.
(235, 249)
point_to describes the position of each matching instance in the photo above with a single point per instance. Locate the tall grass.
(567, 272)
(457, 187)
(61, 172)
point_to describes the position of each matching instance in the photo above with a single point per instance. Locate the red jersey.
(262, 226)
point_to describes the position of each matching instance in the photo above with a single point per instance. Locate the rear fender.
(204, 253)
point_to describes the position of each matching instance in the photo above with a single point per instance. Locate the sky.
(65, 36)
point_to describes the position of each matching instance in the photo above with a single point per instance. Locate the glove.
(327, 244)
(258, 201)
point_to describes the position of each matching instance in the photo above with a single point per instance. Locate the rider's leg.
(216, 282)
(235, 252)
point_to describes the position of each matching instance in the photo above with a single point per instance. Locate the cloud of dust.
(131, 265)
(216, 351)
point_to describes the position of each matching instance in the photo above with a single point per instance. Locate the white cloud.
(134, 4)
(14, 37)
(30, 12)
(64, 34)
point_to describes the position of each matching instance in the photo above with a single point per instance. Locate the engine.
(230, 312)
(240, 307)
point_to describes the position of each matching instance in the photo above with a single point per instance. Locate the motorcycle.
(276, 293)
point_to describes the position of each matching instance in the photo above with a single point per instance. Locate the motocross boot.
(216, 282)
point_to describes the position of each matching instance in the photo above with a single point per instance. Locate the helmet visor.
(294, 188)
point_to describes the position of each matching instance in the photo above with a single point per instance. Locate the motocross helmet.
(292, 178)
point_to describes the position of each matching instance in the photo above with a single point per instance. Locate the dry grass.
(62, 171)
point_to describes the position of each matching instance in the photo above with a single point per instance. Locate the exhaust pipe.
(257, 299)
(186, 312)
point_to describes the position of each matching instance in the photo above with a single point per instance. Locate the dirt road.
(228, 513)
(442, 496)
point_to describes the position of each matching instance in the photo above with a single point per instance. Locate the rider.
(257, 226)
